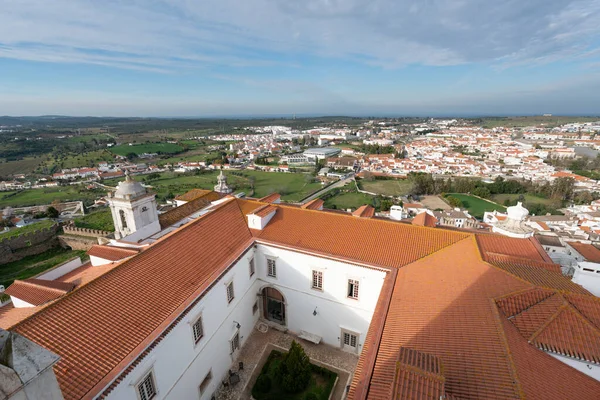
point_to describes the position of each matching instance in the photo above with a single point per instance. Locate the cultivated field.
(529, 199)
(351, 200)
(35, 197)
(388, 187)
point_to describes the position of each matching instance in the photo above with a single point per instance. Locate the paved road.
(327, 189)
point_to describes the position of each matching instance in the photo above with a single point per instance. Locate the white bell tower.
(133, 210)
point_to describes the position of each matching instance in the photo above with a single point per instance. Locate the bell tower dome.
(134, 210)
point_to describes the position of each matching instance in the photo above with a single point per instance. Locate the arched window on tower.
(123, 219)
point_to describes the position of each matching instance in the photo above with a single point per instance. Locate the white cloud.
(164, 36)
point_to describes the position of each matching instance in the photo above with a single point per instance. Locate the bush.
(311, 396)
(294, 370)
(263, 384)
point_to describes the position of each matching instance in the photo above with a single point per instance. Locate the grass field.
(33, 265)
(388, 187)
(100, 219)
(36, 226)
(292, 187)
(477, 206)
(164, 148)
(529, 199)
(351, 200)
(23, 166)
(33, 197)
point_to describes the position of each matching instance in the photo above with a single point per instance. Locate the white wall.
(18, 303)
(61, 270)
(179, 366)
(588, 279)
(334, 309)
(178, 363)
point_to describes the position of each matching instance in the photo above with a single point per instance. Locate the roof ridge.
(539, 302)
(520, 291)
(560, 309)
(37, 285)
(506, 347)
(433, 252)
(583, 317)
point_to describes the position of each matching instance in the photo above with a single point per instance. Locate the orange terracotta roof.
(547, 275)
(454, 324)
(425, 219)
(66, 326)
(418, 376)
(549, 320)
(264, 210)
(364, 212)
(10, 316)
(543, 377)
(589, 252)
(490, 243)
(112, 253)
(273, 197)
(193, 194)
(458, 327)
(86, 273)
(38, 291)
(178, 213)
(368, 240)
(315, 204)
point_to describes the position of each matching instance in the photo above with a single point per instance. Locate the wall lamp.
(315, 312)
(237, 324)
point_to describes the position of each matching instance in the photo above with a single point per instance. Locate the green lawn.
(33, 197)
(33, 265)
(36, 226)
(292, 187)
(99, 219)
(321, 382)
(388, 187)
(351, 200)
(475, 205)
(164, 148)
(529, 199)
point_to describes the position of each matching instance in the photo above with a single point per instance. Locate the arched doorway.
(273, 305)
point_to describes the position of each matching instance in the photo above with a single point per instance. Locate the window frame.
(355, 295)
(208, 376)
(251, 267)
(142, 381)
(272, 260)
(235, 340)
(193, 327)
(319, 274)
(227, 286)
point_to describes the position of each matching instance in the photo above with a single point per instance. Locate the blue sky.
(253, 57)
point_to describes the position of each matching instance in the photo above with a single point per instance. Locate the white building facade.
(328, 299)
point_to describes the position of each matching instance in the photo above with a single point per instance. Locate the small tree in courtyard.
(294, 369)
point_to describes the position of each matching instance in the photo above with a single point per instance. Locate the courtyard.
(259, 345)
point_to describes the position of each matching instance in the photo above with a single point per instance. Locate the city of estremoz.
(319, 200)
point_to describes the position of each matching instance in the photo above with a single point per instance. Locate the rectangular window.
(146, 387)
(251, 266)
(198, 330)
(353, 289)
(230, 294)
(255, 307)
(205, 382)
(235, 342)
(349, 339)
(271, 268)
(317, 280)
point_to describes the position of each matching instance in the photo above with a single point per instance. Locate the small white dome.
(518, 212)
(129, 189)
